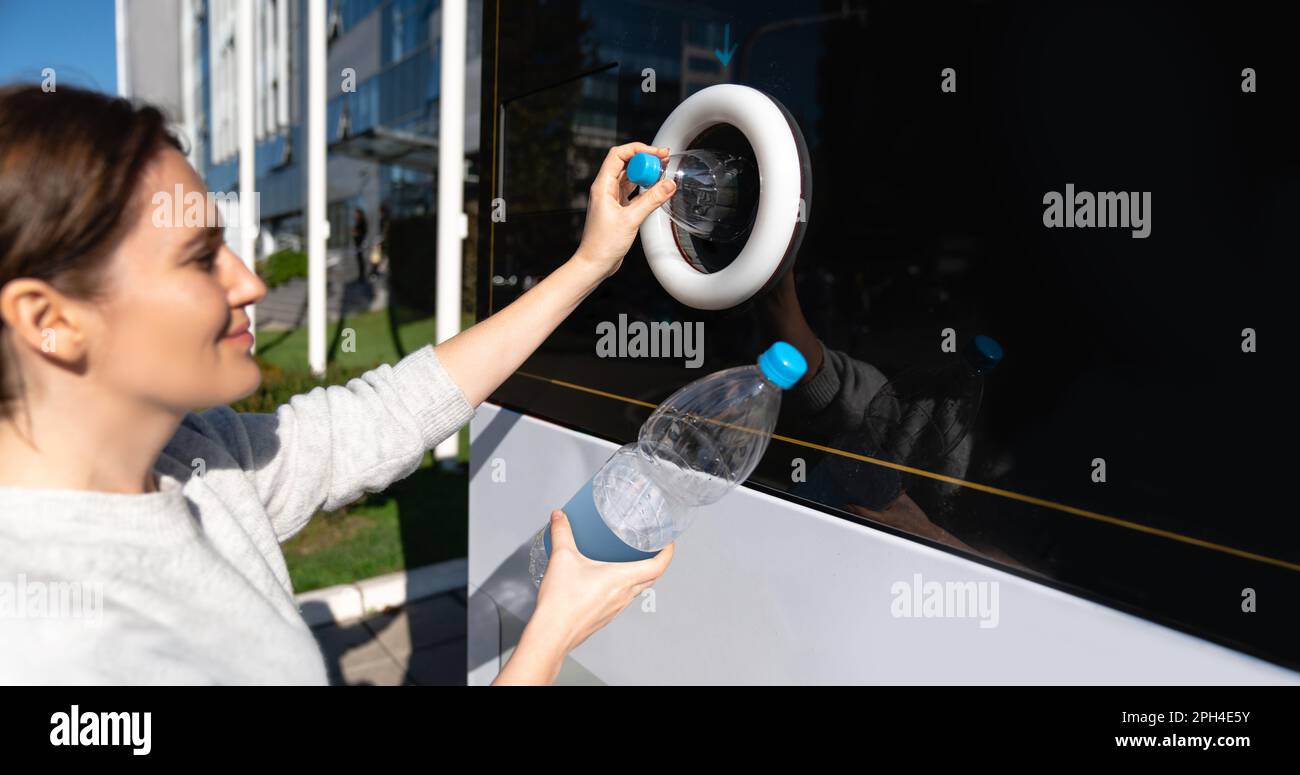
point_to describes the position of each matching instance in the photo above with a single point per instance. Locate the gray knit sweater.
(188, 584)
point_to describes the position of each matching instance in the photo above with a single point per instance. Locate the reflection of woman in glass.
(116, 322)
(829, 405)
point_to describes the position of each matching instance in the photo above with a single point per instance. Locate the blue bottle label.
(594, 538)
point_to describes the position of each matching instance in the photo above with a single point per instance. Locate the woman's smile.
(241, 336)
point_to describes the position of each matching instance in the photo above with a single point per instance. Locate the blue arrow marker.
(726, 45)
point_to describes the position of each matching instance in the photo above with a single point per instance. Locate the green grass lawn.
(377, 337)
(420, 520)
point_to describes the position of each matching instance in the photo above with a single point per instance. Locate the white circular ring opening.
(769, 134)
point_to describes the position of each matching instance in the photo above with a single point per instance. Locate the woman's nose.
(246, 286)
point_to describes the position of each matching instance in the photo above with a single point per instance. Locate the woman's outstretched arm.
(481, 357)
(326, 447)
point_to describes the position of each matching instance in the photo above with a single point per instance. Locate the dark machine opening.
(705, 255)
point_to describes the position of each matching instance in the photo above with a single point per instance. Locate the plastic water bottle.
(716, 191)
(915, 420)
(698, 444)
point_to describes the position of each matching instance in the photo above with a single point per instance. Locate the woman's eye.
(207, 261)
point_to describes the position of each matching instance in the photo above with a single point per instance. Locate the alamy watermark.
(1102, 210)
(26, 598)
(922, 599)
(651, 340)
(206, 209)
(78, 727)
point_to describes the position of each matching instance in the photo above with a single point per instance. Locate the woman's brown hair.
(70, 161)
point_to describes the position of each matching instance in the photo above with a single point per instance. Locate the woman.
(115, 323)
(359, 227)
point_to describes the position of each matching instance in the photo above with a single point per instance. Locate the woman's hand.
(613, 219)
(578, 596)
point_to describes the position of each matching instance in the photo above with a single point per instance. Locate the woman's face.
(174, 294)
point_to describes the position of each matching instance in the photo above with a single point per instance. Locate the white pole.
(317, 225)
(123, 78)
(244, 49)
(188, 109)
(452, 223)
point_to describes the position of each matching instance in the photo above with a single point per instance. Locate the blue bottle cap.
(983, 353)
(643, 169)
(783, 364)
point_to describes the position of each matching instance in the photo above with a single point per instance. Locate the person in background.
(381, 247)
(359, 229)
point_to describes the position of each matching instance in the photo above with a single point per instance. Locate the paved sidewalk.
(286, 305)
(421, 643)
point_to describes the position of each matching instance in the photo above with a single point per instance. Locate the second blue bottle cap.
(783, 364)
(983, 353)
(643, 169)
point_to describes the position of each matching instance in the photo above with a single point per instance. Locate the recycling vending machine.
(1036, 439)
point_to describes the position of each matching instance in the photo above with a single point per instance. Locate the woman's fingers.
(616, 161)
(561, 532)
(648, 570)
(626, 187)
(620, 155)
(641, 572)
(651, 198)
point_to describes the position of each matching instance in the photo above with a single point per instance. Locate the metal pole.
(123, 72)
(317, 225)
(244, 49)
(452, 224)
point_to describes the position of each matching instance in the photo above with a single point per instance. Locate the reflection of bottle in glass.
(915, 420)
(698, 444)
(716, 191)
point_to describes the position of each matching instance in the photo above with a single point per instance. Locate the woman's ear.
(43, 319)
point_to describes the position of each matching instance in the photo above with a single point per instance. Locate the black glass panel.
(927, 227)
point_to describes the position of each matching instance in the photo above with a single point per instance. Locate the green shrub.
(282, 266)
